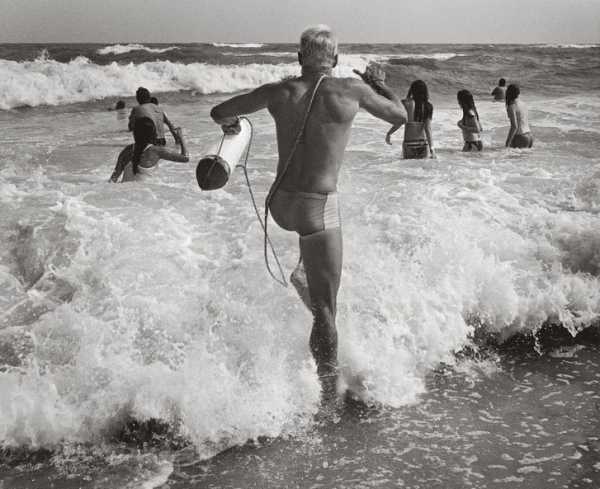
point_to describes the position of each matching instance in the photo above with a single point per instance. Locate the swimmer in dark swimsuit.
(418, 140)
(499, 93)
(313, 117)
(469, 124)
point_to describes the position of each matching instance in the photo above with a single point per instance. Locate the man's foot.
(329, 378)
(331, 403)
(298, 280)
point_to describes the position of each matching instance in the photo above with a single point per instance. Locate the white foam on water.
(151, 301)
(569, 46)
(48, 82)
(127, 48)
(45, 81)
(247, 45)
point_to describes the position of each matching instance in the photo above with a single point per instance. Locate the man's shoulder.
(347, 87)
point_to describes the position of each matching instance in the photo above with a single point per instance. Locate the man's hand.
(232, 129)
(374, 77)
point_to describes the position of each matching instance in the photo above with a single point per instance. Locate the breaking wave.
(45, 81)
(126, 48)
(237, 45)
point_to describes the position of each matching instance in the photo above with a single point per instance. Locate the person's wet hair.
(466, 102)
(142, 95)
(154, 100)
(318, 47)
(144, 133)
(512, 92)
(419, 93)
(120, 105)
(501, 82)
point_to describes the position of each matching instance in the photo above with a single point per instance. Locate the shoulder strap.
(296, 140)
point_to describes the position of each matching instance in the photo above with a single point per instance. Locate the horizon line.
(597, 43)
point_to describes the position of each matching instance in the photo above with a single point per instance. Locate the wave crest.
(126, 48)
(47, 82)
(237, 45)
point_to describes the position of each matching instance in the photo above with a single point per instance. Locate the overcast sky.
(416, 21)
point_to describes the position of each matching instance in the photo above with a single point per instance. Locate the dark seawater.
(143, 345)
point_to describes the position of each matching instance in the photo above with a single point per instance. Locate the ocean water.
(142, 343)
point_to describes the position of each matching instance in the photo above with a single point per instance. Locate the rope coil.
(244, 167)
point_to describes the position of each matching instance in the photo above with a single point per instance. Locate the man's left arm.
(226, 114)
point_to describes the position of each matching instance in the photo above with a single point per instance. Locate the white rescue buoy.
(214, 169)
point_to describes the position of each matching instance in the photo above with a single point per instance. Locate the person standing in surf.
(499, 93)
(417, 130)
(148, 109)
(469, 124)
(519, 134)
(141, 161)
(313, 116)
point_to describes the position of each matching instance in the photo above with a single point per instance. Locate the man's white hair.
(318, 46)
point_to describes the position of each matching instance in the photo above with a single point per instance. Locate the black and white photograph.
(325, 244)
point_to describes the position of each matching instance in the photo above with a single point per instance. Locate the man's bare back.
(318, 157)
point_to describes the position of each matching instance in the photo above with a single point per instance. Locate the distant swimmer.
(147, 109)
(417, 131)
(499, 93)
(120, 105)
(519, 134)
(140, 160)
(313, 118)
(469, 124)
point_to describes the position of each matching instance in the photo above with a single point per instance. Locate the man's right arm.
(226, 114)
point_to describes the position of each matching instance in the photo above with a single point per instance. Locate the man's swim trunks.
(305, 212)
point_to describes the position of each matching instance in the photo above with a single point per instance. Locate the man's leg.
(322, 256)
(298, 280)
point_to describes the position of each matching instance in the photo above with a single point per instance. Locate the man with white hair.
(313, 117)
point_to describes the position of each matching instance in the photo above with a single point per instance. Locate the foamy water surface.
(151, 301)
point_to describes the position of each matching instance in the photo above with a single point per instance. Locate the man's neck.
(312, 71)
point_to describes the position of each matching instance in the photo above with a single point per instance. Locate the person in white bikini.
(313, 117)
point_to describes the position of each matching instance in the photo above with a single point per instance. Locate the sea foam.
(45, 81)
(126, 48)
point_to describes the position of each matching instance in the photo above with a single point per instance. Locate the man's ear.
(300, 58)
(335, 61)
